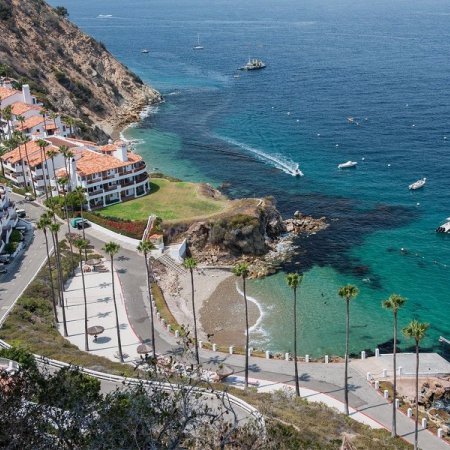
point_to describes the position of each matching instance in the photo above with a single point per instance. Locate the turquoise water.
(385, 64)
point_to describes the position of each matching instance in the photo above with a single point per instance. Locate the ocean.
(383, 63)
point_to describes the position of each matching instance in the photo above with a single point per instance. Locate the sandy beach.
(219, 307)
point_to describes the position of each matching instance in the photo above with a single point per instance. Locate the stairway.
(171, 264)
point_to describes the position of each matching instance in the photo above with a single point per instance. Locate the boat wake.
(279, 161)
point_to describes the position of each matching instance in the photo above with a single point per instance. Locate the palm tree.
(112, 249)
(394, 303)
(21, 119)
(54, 116)
(43, 223)
(294, 280)
(42, 145)
(51, 154)
(241, 270)
(347, 292)
(7, 116)
(81, 199)
(191, 264)
(146, 247)
(54, 228)
(24, 141)
(416, 330)
(81, 244)
(71, 122)
(44, 115)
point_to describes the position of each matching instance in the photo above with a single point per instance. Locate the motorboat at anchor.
(253, 64)
(417, 184)
(347, 165)
(144, 50)
(297, 172)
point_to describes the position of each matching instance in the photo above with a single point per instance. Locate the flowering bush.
(131, 228)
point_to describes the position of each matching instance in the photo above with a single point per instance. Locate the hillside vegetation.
(69, 70)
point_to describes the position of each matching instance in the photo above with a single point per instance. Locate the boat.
(297, 172)
(417, 184)
(443, 340)
(350, 119)
(104, 16)
(253, 64)
(144, 50)
(347, 165)
(445, 227)
(198, 46)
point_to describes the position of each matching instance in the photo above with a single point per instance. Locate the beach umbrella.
(143, 349)
(95, 331)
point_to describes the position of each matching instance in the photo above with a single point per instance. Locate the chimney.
(27, 94)
(121, 151)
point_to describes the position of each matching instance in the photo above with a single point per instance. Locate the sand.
(219, 307)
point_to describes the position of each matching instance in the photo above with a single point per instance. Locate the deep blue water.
(385, 63)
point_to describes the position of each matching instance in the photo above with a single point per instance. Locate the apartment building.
(8, 217)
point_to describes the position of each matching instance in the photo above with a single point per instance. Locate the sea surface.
(386, 64)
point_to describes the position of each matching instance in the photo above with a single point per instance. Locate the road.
(325, 378)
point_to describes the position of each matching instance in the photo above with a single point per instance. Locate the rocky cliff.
(72, 72)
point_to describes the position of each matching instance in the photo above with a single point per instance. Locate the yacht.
(347, 165)
(198, 46)
(253, 64)
(445, 227)
(418, 184)
(144, 50)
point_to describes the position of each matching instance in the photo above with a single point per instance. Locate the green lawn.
(168, 200)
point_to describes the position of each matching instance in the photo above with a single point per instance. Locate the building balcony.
(95, 193)
(111, 188)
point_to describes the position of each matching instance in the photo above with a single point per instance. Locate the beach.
(219, 307)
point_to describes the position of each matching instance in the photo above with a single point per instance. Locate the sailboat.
(198, 46)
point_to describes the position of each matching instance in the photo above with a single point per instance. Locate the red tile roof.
(20, 108)
(5, 92)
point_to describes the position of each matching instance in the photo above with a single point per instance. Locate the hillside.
(71, 72)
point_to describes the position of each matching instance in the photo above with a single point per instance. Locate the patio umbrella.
(95, 331)
(143, 349)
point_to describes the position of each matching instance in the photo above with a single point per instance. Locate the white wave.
(257, 326)
(279, 161)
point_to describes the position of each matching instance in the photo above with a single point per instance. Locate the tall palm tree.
(241, 270)
(81, 244)
(71, 122)
(54, 228)
(294, 280)
(146, 247)
(54, 116)
(191, 264)
(51, 154)
(80, 197)
(42, 145)
(67, 153)
(416, 330)
(112, 249)
(21, 141)
(44, 113)
(24, 141)
(394, 303)
(347, 292)
(7, 116)
(43, 223)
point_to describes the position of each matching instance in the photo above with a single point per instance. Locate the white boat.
(104, 16)
(297, 172)
(198, 46)
(418, 184)
(144, 50)
(347, 165)
(445, 227)
(253, 64)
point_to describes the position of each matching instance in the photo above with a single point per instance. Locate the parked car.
(3, 270)
(21, 213)
(29, 197)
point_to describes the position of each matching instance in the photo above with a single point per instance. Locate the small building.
(8, 217)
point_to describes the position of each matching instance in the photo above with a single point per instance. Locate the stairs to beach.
(171, 264)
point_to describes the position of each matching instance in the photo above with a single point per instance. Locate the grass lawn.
(168, 200)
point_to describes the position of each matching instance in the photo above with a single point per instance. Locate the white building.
(109, 174)
(8, 217)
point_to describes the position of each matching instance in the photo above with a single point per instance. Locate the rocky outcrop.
(68, 70)
(305, 224)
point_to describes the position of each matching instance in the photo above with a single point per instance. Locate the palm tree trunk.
(115, 309)
(55, 312)
(86, 342)
(61, 284)
(68, 228)
(297, 386)
(195, 319)
(416, 422)
(347, 332)
(24, 184)
(43, 173)
(394, 410)
(82, 228)
(149, 287)
(29, 168)
(246, 334)
(53, 169)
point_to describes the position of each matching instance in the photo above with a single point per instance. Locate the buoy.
(389, 165)
(445, 137)
(288, 113)
(318, 134)
(362, 159)
(418, 204)
(297, 120)
(413, 125)
(337, 145)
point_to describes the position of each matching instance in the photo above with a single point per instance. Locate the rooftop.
(19, 108)
(5, 92)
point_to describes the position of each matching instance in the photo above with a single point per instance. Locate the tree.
(80, 197)
(21, 141)
(394, 303)
(7, 116)
(111, 248)
(146, 247)
(51, 154)
(416, 330)
(81, 244)
(54, 228)
(62, 11)
(294, 280)
(24, 141)
(241, 270)
(191, 264)
(42, 145)
(347, 292)
(43, 224)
